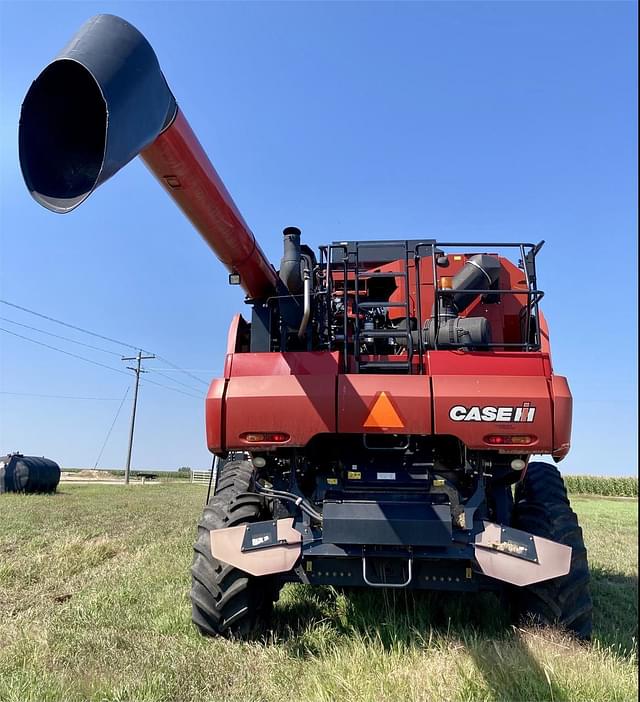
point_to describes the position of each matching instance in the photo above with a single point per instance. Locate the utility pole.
(137, 370)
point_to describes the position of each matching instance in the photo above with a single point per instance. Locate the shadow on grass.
(404, 616)
(615, 610)
(512, 672)
(389, 617)
(310, 621)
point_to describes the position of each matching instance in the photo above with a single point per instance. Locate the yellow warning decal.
(468, 573)
(309, 566)
(354, 475)
(332, 481)
(383, 415)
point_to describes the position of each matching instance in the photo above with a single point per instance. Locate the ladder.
(400, 365)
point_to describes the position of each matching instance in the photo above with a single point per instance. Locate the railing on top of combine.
(389, 302)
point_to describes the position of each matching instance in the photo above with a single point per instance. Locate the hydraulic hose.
(290, 497)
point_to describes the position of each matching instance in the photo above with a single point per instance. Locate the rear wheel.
(542, 508)
(227, 601)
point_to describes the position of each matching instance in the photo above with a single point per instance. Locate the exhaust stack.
(99, 104)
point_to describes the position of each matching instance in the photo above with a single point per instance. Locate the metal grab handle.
(404, 584)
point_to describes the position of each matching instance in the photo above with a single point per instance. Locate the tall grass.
(601, 485)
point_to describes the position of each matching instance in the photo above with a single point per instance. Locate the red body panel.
(232, 335)
(304, 394)
(485, 363)
(408, 408)
(294, 393)
(562, 415)
(214, 413)
(299, 405)
(497, 391)
(299, 363)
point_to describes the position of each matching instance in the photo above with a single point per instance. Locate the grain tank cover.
(20, 473)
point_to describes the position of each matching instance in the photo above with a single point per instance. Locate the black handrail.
(527, 253)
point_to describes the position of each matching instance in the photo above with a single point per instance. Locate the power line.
(57, 397)
(58, 336)
(101, 336)
(168, 387)
(182, 370)
(67, 353)
(95, 363)
(124, 397)
(71, 326)
(173, 380)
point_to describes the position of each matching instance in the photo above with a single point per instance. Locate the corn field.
(602, 485)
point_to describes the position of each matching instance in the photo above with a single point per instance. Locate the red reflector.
(520, 439)
(494, 439)
(275, 437)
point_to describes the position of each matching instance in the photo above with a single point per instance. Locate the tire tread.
(542, 508)
(225, 600)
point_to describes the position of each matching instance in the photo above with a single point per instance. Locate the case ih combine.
(388, 394)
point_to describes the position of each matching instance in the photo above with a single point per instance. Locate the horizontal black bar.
(488, 291)
(381, 274)
(389, 243)
(373, 305)
(364, 365)
(383, 333)
(476, 244)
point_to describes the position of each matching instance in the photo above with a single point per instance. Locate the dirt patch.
(88, 474)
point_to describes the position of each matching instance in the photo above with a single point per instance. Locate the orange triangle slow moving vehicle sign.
(383, 415)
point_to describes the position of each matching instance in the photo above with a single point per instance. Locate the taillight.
(273, 437)
(507, 440)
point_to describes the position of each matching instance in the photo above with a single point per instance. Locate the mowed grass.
(94, 605)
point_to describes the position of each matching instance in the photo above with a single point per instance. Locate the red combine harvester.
(386, 395)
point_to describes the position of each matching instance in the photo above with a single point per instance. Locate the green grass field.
(94, 605)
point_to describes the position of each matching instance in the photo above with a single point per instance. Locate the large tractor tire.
(542, 508)
(227, 601)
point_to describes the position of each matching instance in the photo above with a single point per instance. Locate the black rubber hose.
(296, 499)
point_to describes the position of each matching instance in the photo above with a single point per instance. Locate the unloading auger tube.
(100, 103)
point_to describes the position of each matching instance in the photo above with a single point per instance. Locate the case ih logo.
(524, 413)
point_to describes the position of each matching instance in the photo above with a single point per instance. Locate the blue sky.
(470, 121)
